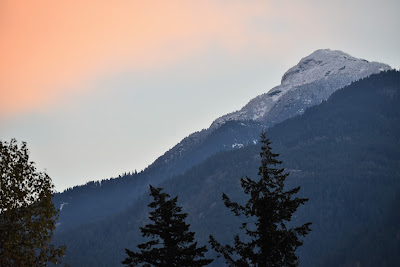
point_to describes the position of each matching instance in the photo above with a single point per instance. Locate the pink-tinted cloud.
(48, 48)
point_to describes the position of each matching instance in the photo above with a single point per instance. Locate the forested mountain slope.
(306, 84)
(345, 154)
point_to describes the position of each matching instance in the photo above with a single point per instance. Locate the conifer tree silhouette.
(269, 241)
(171, 243)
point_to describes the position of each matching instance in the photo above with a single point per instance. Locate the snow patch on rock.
(236, 145)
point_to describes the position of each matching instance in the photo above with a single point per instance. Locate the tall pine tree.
(269, 241)
(171, 243)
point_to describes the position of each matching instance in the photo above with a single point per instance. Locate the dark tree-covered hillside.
(96, 200)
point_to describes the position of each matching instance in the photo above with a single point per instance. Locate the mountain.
(344, 153)
(308, 83)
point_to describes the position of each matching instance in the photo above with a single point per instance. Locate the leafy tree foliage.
(171, 242)
(271, 242)
(27, 214)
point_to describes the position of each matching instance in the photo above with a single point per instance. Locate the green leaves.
(27, 214)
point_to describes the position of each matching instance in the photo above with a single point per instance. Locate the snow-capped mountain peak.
(312, 66)
(323, 63)
(312, 80)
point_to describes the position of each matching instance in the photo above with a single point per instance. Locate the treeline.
(98, 200)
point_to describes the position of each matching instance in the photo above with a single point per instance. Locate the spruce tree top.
(269, 241)
(171, 243)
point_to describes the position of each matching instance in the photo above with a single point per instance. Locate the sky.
(98, 88)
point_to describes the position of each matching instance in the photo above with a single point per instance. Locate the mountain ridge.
(342, 69)
(116, 194)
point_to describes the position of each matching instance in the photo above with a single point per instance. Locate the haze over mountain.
(308, 83)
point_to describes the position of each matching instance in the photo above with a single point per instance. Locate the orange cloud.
(48, 48)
